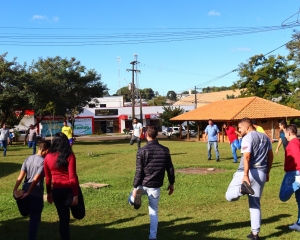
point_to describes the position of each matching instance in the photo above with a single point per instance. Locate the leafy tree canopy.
(171, 95)
(168, 113)
(265, 77)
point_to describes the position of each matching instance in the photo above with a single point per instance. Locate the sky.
(104, 35)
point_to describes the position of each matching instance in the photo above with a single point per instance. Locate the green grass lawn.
(196, 210)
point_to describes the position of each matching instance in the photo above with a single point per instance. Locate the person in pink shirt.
(233, 140)
(291, 181)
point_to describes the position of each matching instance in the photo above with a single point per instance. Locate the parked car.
(22, 133)
(174, 131)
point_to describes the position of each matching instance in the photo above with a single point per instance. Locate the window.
(264, 121)
(102, 105)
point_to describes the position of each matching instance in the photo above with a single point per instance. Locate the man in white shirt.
(137, 132)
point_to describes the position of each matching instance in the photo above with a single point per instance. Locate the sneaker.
(138, 199)
(209, 159)
(246, 189)
(297, 179)
(252, 236)
(295, 227)
(218, 159)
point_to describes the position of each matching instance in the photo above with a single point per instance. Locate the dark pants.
(32, 144)
(60, 196)
(32, 206)
(137, 139)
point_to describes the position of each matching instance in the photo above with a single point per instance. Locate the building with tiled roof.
(206, 98)
(267, 113)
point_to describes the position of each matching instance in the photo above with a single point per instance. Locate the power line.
(69, 40)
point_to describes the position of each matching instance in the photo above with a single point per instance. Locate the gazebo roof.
(236, 109)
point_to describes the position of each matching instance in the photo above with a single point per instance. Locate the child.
(30, 198)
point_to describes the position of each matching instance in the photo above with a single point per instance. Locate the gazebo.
(267, 114)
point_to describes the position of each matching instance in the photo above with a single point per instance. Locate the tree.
(125, 92)
(171, 95)
(158, 101)
(215, 89)
(147, 93)
(13, 92)
(294, 48)
(65, 83)
(168, 113)
(265, 77)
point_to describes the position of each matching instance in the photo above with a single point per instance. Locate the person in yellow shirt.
(67, 130)
(260, 129)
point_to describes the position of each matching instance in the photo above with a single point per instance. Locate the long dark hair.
(61, 145)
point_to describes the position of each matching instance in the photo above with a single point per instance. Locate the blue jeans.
(289, 187)
(32, 144)
(4, 145)
(234, 146)
(215, 145)
(257, 180)
(153, 200)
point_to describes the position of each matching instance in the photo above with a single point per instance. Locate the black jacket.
(152, 161)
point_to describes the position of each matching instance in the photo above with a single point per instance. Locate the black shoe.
(209, 159)
(246, 189)
(218, 159)
(138, 199)
(252, 236)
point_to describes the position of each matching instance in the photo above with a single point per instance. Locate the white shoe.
(295, 227)
(297, 179)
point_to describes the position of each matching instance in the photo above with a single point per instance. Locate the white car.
(175, 131)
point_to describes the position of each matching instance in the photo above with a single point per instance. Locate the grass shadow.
(7, 168)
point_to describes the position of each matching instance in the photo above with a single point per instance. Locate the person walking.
(291, 181)
(253, 172)
(30, 199)
(62, 183)
(232, 135)
(4, 135)
(212, 136)
(67, 130)
(151, 163)
(32, 140)
(137, 132)
(282, 139)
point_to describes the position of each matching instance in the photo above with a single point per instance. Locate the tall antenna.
(119, 61)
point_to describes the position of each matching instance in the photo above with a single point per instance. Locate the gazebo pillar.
(188, 130)
(198, 130)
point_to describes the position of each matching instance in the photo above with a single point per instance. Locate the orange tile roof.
(236, 109)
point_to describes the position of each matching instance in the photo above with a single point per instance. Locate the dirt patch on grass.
(200, 170)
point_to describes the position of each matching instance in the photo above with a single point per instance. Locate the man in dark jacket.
(151, 163)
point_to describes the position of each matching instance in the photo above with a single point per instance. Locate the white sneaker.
(297, 179)
(295, 227)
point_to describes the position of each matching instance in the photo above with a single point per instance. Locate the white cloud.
(241, 49)
(55, 19)
(39, 17)
(214, 13)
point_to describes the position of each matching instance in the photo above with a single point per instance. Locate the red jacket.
(59, 178)
(292, 156)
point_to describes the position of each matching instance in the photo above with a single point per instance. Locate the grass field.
(196, 210)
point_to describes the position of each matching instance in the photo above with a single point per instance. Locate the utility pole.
(137, 84)
(195, 106)
(133, 86)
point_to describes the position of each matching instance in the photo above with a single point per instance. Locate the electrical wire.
(69, 40)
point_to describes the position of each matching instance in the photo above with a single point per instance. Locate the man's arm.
(19, 180)
(246, 156)
(171, 174)
(32, 185)
(278, 145)
(270, 157)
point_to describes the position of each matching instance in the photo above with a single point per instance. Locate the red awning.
(124, 117)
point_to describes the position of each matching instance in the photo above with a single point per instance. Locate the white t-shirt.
(136, 129)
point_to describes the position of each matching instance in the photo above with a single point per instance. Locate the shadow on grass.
(277, 164)
(169, 230)
(102, 142)
(173, 154)
(7, 168)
